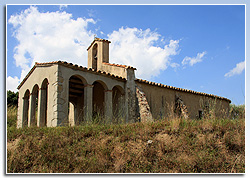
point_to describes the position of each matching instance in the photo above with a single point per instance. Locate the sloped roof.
(70, 65)
(180, 89)
(98, 39)
(120, 65)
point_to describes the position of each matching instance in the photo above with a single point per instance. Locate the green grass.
(178, 146)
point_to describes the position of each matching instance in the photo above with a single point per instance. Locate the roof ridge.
(180, 89)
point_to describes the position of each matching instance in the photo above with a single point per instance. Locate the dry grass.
(177, 146)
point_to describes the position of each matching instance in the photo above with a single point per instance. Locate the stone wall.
(145, 114)
(162, 102)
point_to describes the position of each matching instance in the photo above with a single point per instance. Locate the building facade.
(60, 93)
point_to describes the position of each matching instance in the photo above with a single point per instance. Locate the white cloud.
(237, 70)
(12, 83)
(193, 60)
(136, 47)
(49, 36)
(174, 65)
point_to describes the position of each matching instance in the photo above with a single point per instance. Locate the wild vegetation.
(173, 145)
(12, 98)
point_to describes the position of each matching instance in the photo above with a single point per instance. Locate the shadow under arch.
(99, 88)
(25, 115)
(43, 103)
(76, 100)
(34, 105)
(118, 100)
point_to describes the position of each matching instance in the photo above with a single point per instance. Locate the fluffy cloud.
(193, 60)
(49, 36)
(12, 83)
(138, 48)
(237, 70)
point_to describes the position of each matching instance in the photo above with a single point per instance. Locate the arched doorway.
(98, 100)
(44, 103)
(76, 100)
(25, 117)
(118, 104)
(34, 106)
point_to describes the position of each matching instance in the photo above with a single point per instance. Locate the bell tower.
(98, 53)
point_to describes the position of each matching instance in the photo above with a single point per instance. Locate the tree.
(12, 98)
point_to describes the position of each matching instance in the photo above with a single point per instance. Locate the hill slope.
(176, 146)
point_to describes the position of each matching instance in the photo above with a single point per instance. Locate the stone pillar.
(71, 114)
(41, 120)
(108, 106)
(88, 102)
(32, 110)
(130, 96)
(60, 91)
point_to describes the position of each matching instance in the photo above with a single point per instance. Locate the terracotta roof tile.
(70, 65)
(119, 65)
(180, 89)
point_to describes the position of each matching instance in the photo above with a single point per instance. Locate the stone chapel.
(59, 93)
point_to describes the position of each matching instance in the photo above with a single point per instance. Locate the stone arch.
(118, 103)
(43, 106)
(76, 99)
(25, 116)
(94, 55)
(34, 105)
(99, 88)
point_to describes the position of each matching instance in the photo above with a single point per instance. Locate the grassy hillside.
(176, 146)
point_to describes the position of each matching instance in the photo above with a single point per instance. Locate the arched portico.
(66, 96)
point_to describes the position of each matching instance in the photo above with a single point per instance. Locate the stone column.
(108, 106)
(41, 120)
(71, 114)
(88, 102)
(32, 110)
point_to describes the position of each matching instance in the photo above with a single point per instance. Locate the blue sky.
(198, 47)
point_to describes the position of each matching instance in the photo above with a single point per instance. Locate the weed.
(172, 145)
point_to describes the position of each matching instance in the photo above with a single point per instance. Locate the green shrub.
(12, 98)
(237, 111)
